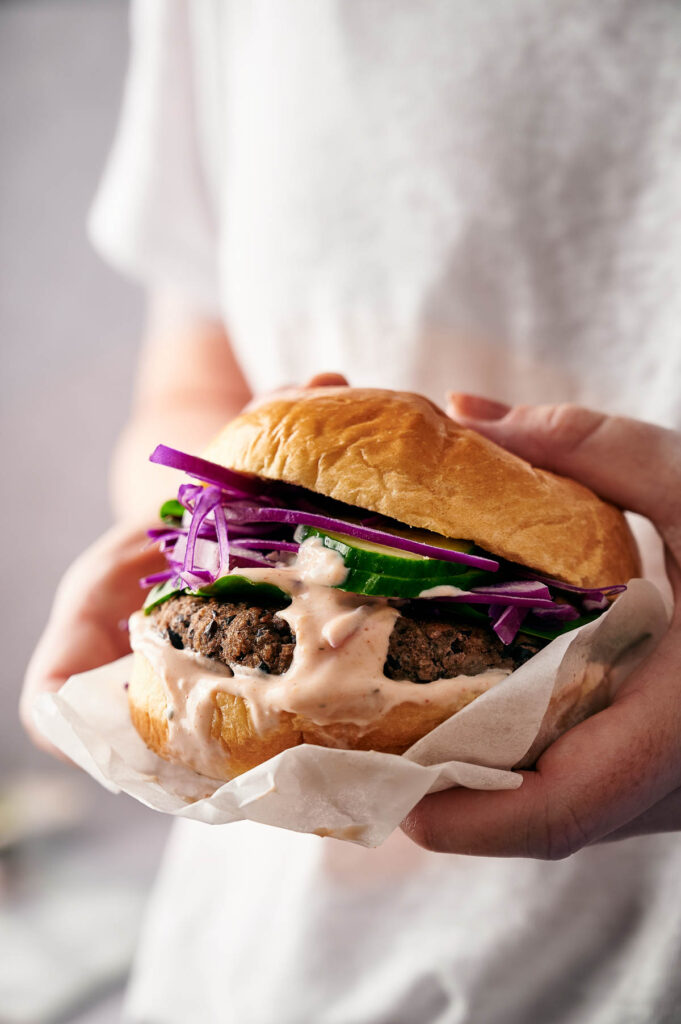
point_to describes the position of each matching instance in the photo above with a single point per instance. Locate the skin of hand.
(617, 774)
(188, 386)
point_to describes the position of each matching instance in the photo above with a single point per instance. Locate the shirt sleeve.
(152, 217)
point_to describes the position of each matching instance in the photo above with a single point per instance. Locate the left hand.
(617, 774)
(98, 593)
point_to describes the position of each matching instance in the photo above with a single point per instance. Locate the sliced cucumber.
(378, 584)
(377, 558)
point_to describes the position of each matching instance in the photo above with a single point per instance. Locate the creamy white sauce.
(318, 564)
(337, 630)
(445, 590)
(190, 682)
(336, 674)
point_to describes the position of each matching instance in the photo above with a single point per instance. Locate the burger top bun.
(397, 454)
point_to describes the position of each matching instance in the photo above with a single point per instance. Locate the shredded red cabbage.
(223, 537)
(268, 545)
(207, 502)
(157, 577)
(187, 494)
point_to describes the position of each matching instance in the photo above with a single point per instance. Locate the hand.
(87, 624)
(327, 380)
(618, 773)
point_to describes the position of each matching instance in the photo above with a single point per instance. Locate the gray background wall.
(69, 327)
(69, 331)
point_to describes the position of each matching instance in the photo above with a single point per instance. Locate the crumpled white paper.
(360, 796)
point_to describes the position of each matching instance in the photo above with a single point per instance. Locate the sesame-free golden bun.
(397, 454)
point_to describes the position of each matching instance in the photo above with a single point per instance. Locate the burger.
(349, 568)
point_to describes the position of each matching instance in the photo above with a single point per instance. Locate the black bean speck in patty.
(175, 639)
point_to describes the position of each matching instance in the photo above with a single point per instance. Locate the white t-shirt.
(447, 194)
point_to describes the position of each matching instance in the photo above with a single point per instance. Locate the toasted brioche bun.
(397, 454)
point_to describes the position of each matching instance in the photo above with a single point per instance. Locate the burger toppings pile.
(449, 591)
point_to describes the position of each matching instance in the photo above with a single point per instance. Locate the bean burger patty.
(422, 648)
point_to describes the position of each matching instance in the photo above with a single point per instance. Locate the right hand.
(87, 624)
(617, 774)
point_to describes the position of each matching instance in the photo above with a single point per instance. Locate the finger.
(595, 779)
(58, 657)
(327, 380)
(635, 465)
(87, 624)
(664, 816)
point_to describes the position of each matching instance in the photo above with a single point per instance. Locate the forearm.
(188, 386)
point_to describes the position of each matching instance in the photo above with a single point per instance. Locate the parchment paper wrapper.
(360, 796)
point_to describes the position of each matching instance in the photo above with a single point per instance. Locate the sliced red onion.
(507, 623)
(209, 472)
(591, 592)
(559, 613)
(496, 600)
(322, 522)
(516, 588)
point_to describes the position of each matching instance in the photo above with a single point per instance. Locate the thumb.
(633, 464)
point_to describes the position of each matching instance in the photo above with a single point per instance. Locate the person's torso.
(450, 195)
(440, 195)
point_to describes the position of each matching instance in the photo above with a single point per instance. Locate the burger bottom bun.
(239, 746)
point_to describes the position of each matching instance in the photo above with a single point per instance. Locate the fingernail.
(475, 407)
